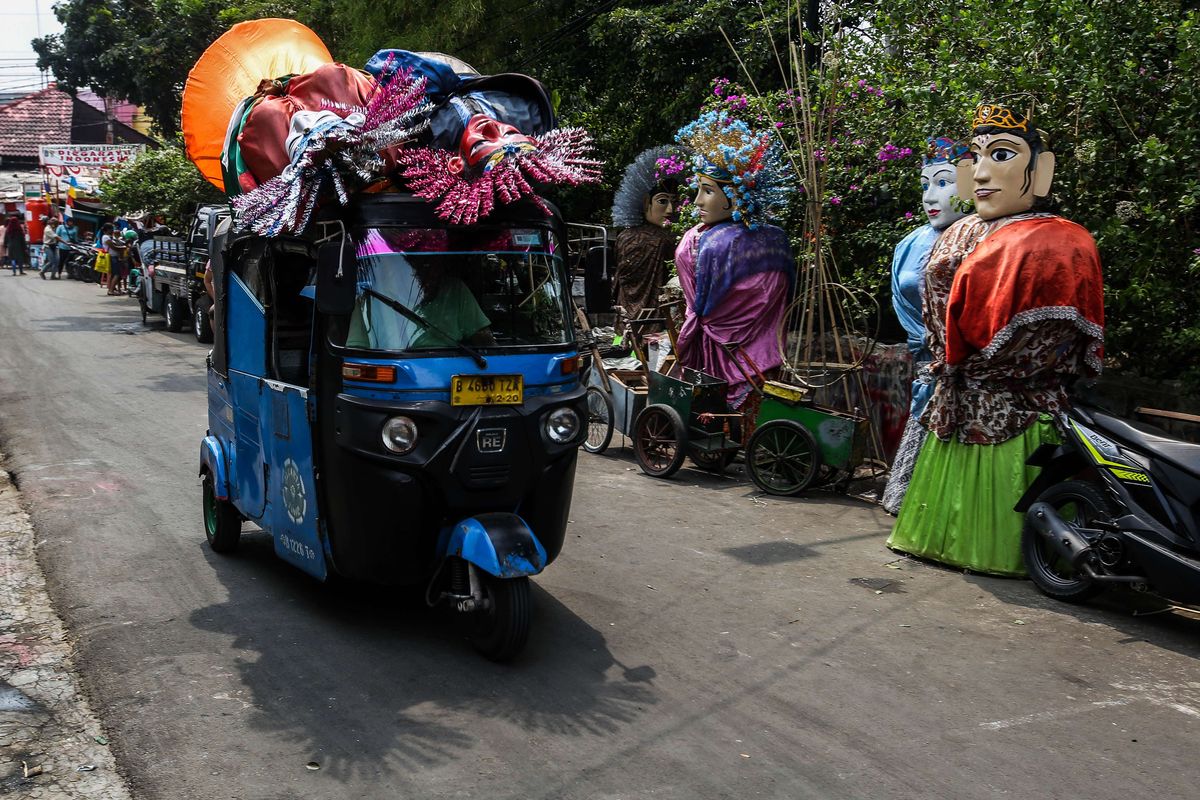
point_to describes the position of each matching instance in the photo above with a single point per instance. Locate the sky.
(19, 23)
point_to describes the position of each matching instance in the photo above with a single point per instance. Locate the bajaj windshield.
(423, 289)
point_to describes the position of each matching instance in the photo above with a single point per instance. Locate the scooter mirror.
(337, 277)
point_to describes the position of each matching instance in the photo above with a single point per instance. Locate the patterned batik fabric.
(1024, 318)
(643, 255)
(902, 465)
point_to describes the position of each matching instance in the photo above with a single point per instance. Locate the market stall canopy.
(230, 70)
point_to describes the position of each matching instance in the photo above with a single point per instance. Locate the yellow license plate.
(487, 390)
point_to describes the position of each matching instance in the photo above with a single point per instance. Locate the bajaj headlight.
(400, 435)
(561, 425)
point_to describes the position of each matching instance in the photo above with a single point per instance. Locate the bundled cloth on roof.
(299, 130)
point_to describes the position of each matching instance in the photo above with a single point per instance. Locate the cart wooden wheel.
(659, 440)
(600, 421)
(714, 461)
(782, 457)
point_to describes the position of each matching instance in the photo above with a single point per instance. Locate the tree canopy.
(1111, 81)
(161, 182)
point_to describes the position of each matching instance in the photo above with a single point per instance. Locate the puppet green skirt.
(959, 506)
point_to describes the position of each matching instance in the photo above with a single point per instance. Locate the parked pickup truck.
(174, 284)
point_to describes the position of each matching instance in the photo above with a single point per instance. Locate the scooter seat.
(1152, 440)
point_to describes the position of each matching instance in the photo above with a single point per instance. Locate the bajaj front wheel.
(222, 522)
(502, 626)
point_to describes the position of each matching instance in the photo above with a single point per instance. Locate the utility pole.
(110, 105)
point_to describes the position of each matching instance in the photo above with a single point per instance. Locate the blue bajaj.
(398, 401)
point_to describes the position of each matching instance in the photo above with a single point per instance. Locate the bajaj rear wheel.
(1081, 505)
(502, 627)
(222, 522)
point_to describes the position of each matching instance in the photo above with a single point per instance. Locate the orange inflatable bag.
(230, 70)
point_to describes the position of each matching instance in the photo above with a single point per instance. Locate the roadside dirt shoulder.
(52, 746)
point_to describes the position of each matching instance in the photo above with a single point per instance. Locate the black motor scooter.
(78, 261)
(1118, 502)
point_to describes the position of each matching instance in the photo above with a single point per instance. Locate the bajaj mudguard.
(499, 543)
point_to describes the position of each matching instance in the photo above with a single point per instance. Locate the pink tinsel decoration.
(561, 156)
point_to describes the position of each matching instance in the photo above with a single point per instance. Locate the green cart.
(790, 442)
(796, 443)
(685, 415)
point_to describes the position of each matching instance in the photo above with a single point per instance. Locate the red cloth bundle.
(331, 87)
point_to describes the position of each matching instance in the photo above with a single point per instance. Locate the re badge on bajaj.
(490, 440)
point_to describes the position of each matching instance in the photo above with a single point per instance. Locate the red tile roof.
(41, 118)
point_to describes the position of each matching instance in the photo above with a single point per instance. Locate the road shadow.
(735, 476)
(106, 320)
(188, 382)
(1143, 617)
(352, 670)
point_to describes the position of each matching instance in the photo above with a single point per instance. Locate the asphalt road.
(694, 640)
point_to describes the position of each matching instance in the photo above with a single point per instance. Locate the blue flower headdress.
(747, 164)
(943, 150)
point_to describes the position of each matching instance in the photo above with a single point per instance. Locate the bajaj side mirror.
(337, 277)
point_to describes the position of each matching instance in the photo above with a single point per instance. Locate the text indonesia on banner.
(87, 155)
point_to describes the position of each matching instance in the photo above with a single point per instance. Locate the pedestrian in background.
(15, 244)
(122, 258)
(50, 262)
(67, 235)
(106, 246)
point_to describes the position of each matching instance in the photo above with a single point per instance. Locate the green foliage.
(631, 72)
(1113, 82)
(160, 181)
(142, 50)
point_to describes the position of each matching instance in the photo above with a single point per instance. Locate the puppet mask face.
(484, 137)
(660, 209)
(938, 186)
(711, 202)
(1000, 177)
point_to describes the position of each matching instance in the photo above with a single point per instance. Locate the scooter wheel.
(173, 311)
(502, 628)
(1080, 504)
(222, 522)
